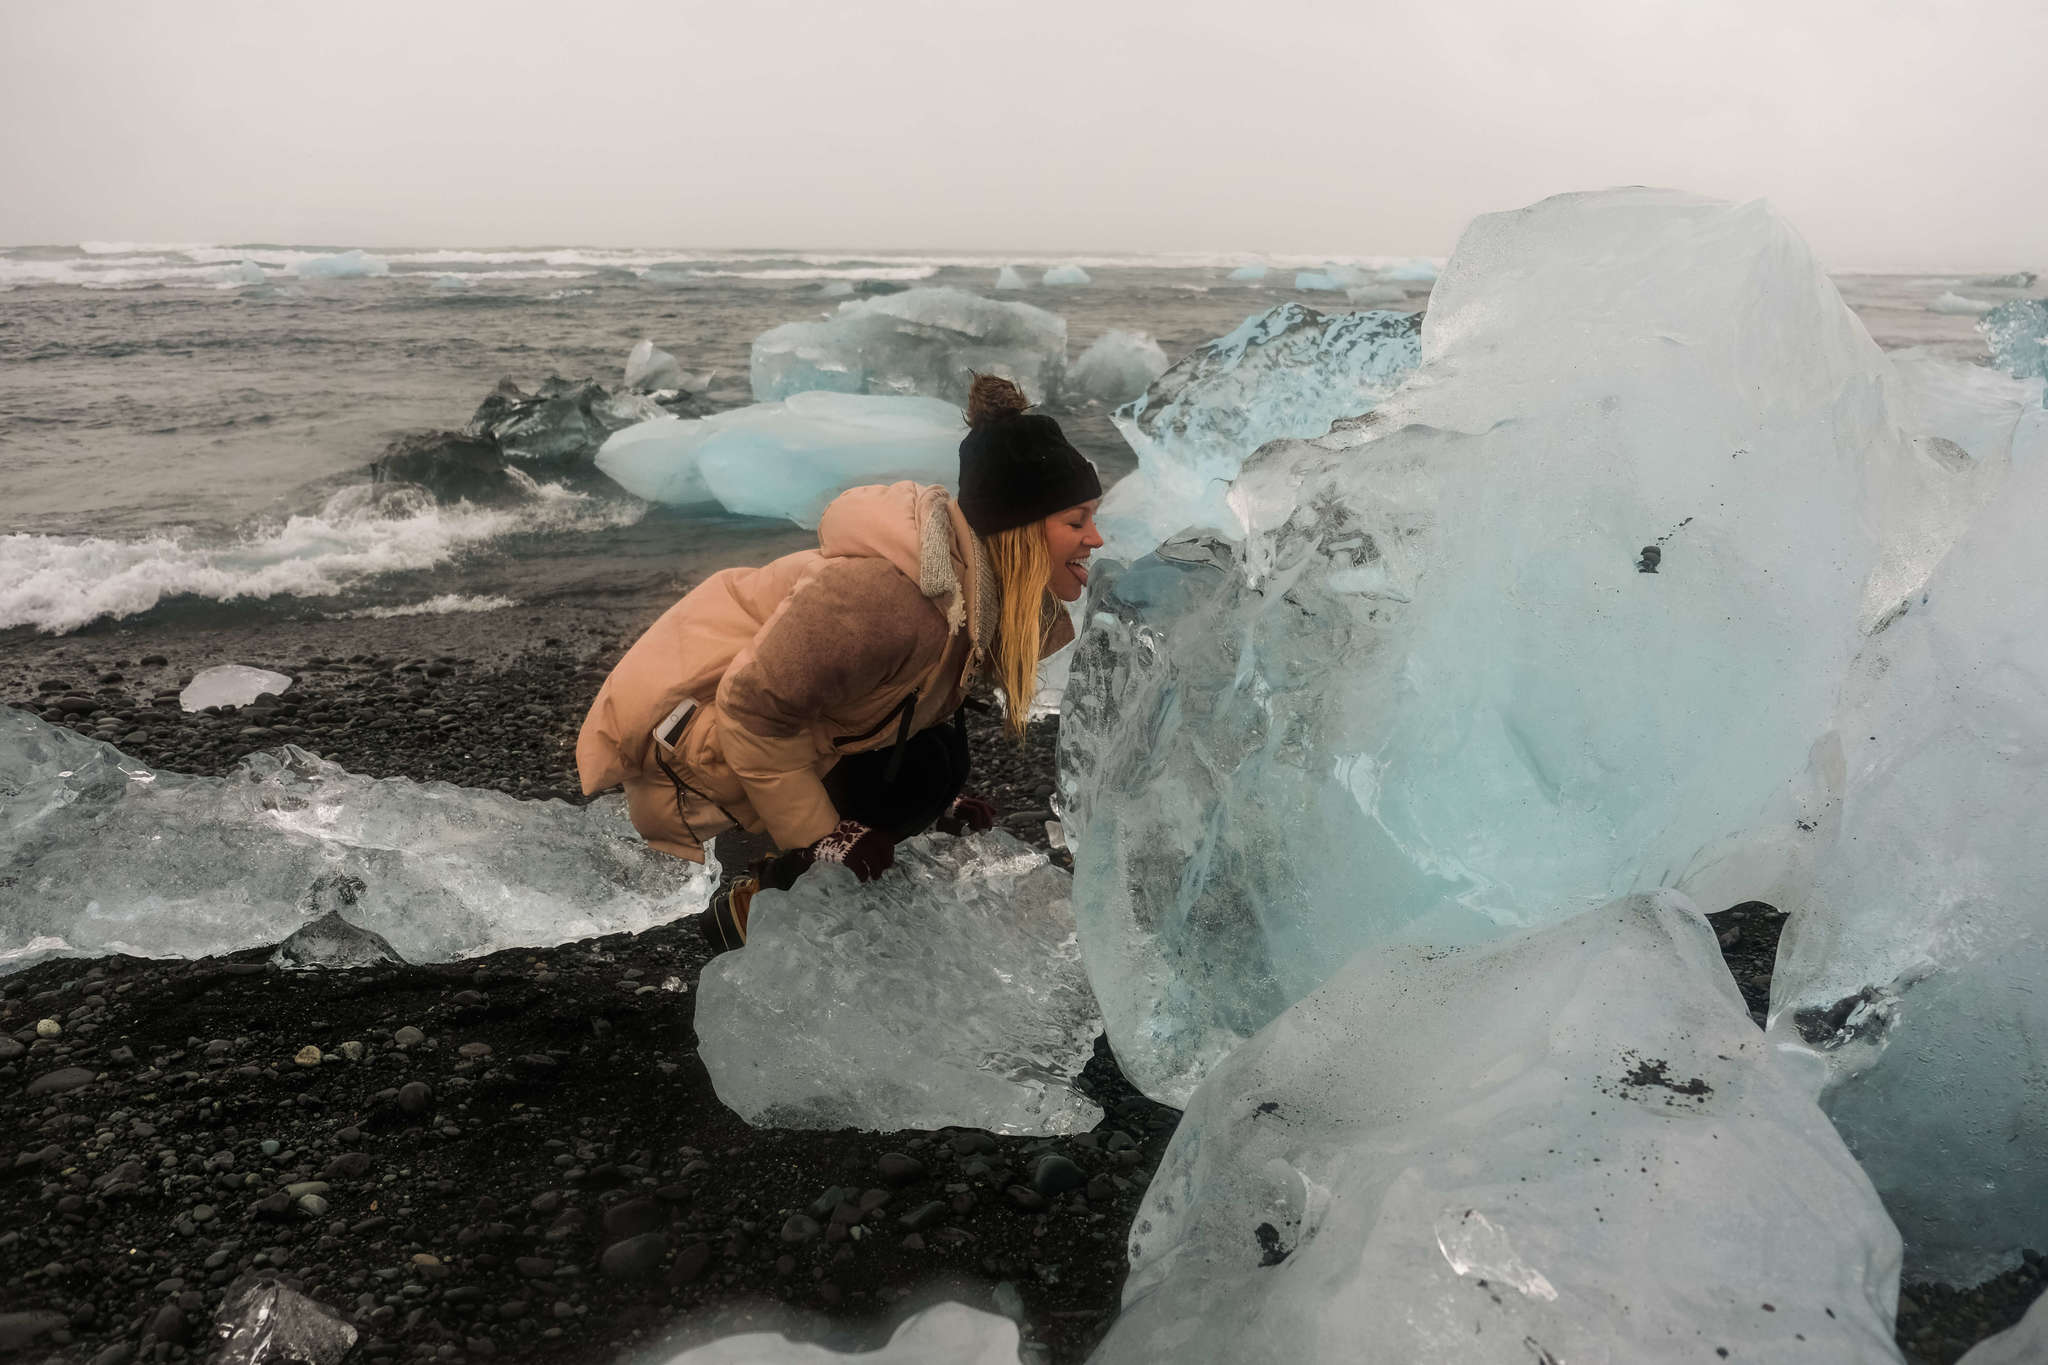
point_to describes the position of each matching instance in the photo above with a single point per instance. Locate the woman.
(810, 698)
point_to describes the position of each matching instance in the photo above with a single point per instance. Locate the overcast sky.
(1893, 134)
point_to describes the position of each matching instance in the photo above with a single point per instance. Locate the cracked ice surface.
(1437, 692)
(948, 992)
(921, 341)
(2017, 333)
(1570, 1145)
(1917, 963)
(1289, 371)
(100, 854)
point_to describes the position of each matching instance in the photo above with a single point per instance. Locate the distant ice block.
(927, 342)
(1116, 368)
(787, 459)
(1068, 275)
(104, 854)
(1320, 281)
(1570, 1145)
(649, 368)
(1289, 371)
(243, 272)
(1949, 301)
(2025, 1343)
(943, 1334)
(1491, 654)
(1008, 278)
(450, 283)
(345, 265)
(1416, 271)
(2018, 335)
(1915, 966)
(1376, 293)
(230, 685)
(1249, 274)
(948, 992)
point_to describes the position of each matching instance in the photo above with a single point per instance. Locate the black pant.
(931, 771)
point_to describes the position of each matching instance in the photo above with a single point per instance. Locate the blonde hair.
(1023, 567)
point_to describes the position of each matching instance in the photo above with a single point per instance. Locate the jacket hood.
(920, 529)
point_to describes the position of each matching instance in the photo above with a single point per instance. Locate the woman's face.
(1071, 536)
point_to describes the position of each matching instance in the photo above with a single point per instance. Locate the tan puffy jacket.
(741, 697)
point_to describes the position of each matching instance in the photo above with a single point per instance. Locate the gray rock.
(19, 1329)
(415, 1098)
(62, 1080)
(1054, 1174)
(924, 1215)
(800, 1228)
(899, 1169)
(634, 1257)
(632, 1217)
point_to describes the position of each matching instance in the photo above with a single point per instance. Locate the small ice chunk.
(345, 265)
(1116, 368)
(112, 856)
(927, 342)
(263, 1321)
(328, 940)
(1008, 278)
(947, 993)
(1320, 281)
(1067, 274)
(453, 284)
(1376, 293)
(943, 1334)
(1289, 371)
(787, 459)
(230, 685)
(2018, 335)
(2025, 1343)
(243, 272)
(649, 368)
(1249, 274)
(1416, 271)
(1949, 301)
(1569, 1145)
(836, 289)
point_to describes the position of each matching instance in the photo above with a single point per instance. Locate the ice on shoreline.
(927, 342)
(230, 685)
(108, 855)
(1491, 654)
(1568, 1145)
(1116, 368)
(947, 993)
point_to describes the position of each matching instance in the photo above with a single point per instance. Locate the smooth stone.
(632, 1217)
(800, 1228)
(49, 1028)
(313, 1204)
(270, 1146)
(1055, 1174)
(924, 1215)
(415, 1097)
(898, 1169)
(59, 1081)
(308, 1055)
(408, 1037)
(19, 1329)
(634, 1257)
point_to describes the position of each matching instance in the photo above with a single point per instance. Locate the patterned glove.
(967, 813)
(867, 853)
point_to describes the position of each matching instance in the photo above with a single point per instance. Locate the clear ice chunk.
(922, 341)
(1248, 274)
(649, 368)
(1008, 278)
(788, 459)
(1915, 965)
(1289, 371)
(1569, 1145)
(943, 1334)
(1068, 275)
(1498, 651)
(327, 940)
(2018, 335)
(948, 992)
(344, 265)
(450, 283)
(230, 685)
(263, 1321)
(1117, 367)
(104, 854)
(2024, 1343)
(1321, 281)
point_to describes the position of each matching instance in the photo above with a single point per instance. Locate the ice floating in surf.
(925, 342)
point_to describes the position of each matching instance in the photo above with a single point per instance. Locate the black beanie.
(1016, 467)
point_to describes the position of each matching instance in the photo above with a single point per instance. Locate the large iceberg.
(1289, 371)
(1559, 621)
(2018, 335)
(100, 853)
(1117, 367)
(1916, 965)
(1974, 406)
(787, 459)
(1572, 1145)
(947, 993)
(922, 341)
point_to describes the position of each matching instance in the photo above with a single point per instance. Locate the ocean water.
(185, 429)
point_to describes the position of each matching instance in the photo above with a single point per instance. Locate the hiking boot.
(725, 923)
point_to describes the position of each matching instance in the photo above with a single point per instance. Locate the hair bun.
(992, 398)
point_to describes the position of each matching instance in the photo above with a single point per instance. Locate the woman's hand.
(967, 813)
(866, 853)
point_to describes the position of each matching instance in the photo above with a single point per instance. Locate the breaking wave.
(447, 604)
(60, 583)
